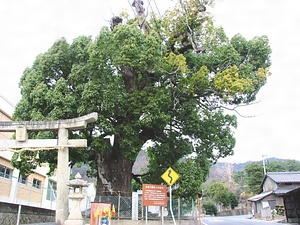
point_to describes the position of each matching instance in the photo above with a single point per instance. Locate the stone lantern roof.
(77, 182)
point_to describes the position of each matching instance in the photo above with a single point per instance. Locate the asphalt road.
(236, 220)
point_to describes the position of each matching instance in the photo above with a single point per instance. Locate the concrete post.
(63, 174)
(14, 186)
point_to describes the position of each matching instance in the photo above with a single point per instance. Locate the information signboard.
(154, 195)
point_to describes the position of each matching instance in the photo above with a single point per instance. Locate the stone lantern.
(76, 195)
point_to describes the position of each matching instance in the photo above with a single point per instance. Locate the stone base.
(74, 222)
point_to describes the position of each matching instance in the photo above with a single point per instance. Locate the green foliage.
(220, 193)
(234, 202)
(26, 161)
(254, 177)
(230, 81)
(292, 165)
(136, 186)
(210, 207)
(283, 166)
(239, 177)
(275, 166)
(168, 87)
(193, 177)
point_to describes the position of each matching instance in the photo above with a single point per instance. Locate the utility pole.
(199, 198)
(140, 10)
(264, 165)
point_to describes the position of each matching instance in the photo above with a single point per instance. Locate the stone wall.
(235, 212)
(9, 214)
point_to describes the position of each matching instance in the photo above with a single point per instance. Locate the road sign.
(170, 176)
(154, 195)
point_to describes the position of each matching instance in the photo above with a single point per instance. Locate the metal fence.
(19, 190)
(182, 208)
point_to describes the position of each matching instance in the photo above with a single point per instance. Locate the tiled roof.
(282, 191)
(278, 192)
(260, 196)
(6, 106)
(284, 177)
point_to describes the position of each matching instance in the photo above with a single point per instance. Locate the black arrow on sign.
(171, 178)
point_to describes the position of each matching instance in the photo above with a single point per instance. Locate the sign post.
(199, 197)
(154, 195)
(170, 177)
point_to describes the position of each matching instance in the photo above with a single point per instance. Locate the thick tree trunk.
(114, 175)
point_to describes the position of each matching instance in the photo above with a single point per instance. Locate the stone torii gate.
(62, 144)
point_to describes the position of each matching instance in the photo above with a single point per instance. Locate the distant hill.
(220, 171)
(141, 163)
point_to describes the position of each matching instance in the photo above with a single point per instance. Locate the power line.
(131, 7)
(7, 101)
(157, 8)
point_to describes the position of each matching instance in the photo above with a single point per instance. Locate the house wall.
(269, 201)
(28, 193)
(271, 197)
(5, 117)
(5, 187)
(5, 156)
(5, 162)
(279, 201)
(290, 186)
(273, 200)
(269, 185)
(5, 182)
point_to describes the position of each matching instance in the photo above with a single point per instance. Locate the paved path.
(167, 222)
(51, 223)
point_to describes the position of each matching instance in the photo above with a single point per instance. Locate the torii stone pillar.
(62, 144)
(63, 176)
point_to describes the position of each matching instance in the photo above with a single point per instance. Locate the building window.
(36, 183)
(22, 179)
(51, 191)
(5, 172)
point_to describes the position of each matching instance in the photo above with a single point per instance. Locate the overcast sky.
(30, 27)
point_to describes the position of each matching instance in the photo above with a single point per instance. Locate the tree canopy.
(220, 194)
(166, 91)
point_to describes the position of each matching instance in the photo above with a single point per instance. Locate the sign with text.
(154, 195)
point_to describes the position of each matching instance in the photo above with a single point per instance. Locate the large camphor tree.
(166, 89)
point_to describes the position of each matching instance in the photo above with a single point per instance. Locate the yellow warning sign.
(170, 176)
